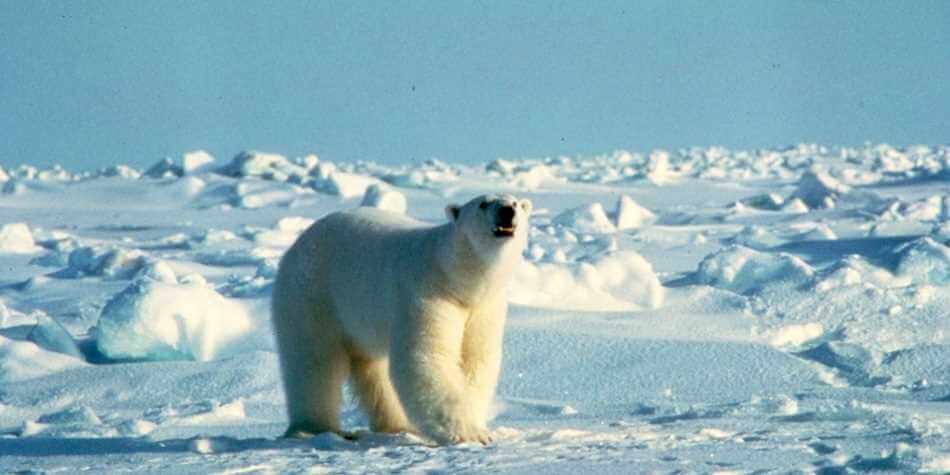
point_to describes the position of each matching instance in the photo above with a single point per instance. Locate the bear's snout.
(506, 216)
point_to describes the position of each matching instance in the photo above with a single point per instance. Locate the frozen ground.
(705, 310)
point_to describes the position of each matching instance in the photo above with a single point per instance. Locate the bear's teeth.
(501, 231)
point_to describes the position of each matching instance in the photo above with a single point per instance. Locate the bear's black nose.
(505, 215)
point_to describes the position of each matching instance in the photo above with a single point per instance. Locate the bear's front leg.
(426, 356)
(481, 355)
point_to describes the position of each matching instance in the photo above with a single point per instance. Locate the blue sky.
(88, 84)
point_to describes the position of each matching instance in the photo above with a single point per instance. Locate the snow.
(16, 238)
(384, 198)
(611, 282)
(589, 218)
(23, 360)
(630, 215)
(155, 320)
(743, 270)
(196, 162)
(818, 189)
(699, 310)
(50, 335)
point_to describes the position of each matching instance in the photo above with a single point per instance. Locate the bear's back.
(363, 259)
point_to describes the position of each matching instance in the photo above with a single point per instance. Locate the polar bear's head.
(491, 222)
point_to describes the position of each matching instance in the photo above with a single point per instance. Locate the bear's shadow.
(66, 446)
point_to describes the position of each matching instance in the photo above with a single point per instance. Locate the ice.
(709, 321)
(285, 232)
(756, 237)
(384, 198)
(160, 321)
(533, 177)
(71, 415)
(818, 233)
(658, 169)
(852, 271)
(107, 262)
(164, 168)
(252, 194)
(855, 363)
(795, 205)
(769, 201)
(924, 261)
(346, 185)
(197, 161)
(50, 335)
(432, 174)
(121, 171)
(630, 215)
(270, 166)
(24, 360)
(16, 238)
(612, 282)
(796, 335)
(589, 218)
(818, 189)
(743, 270)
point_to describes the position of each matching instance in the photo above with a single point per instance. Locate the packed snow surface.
(701, 310)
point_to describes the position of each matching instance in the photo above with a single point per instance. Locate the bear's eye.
(483, 205)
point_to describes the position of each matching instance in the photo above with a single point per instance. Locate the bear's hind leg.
(377, 396)
(314, 365)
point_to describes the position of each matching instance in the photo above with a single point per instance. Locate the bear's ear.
(452, 212)
(525, 205)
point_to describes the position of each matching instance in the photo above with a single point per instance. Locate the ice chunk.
(818, 189)
(534, 177)
(769, 201)
(856, 363)
(196, 162)
(264, 165)
(190, 186)
(22, 360)
(795, 205)
(111, 263)
(384, 198)
(756, 237)
(159, 321)
(346, 185)
(743, 270)
(501, 166)
(136, 428)
(433, 174)
(284, 233)
(630, 215)
(74, 415)
(249, 194)
(589, 218)
(612, 282)
(928, 209)
(16, 238)
(821, 232)
(658, 169)
(795, 335)
(164, 168)
(925, 261)
(158, 271)
(50, 335)
(121, 171)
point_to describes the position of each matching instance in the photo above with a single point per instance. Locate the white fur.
(414, 313)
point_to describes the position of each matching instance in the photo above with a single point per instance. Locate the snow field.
(725, 311)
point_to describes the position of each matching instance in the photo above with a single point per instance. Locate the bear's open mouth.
(501, 231)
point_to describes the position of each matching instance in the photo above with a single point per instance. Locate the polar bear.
(413, 312)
